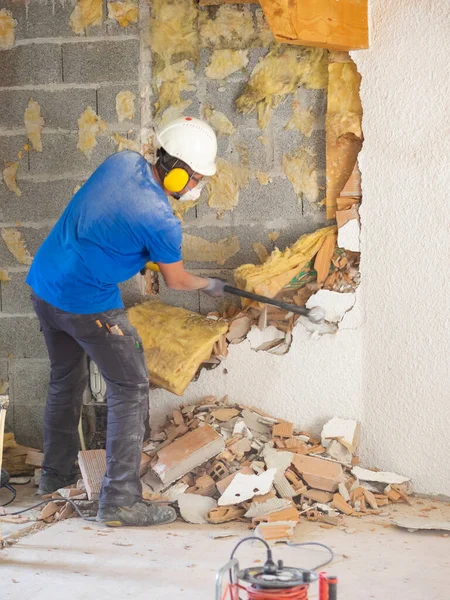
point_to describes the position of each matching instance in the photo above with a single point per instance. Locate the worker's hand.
(215, 287)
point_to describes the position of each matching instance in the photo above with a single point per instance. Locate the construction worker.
(118, 221)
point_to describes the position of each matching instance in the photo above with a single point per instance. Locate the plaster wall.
(406, 242)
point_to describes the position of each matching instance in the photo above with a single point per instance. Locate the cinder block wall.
(65, 73)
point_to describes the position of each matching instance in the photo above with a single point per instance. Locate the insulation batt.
(281, 267)
(170, 82)
(85, 14)
(223, 187)
(123, 12)
(232, 28)
(176, 342)
(226, 62)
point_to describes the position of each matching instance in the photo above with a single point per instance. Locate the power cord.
(12, 490)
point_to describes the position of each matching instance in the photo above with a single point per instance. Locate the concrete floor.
(77, 559)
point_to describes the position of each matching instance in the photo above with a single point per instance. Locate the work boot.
(140, 514)
(50, 482)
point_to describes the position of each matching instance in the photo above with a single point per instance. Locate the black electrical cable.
(72, 502)
(253, 539)
(327, 562)
(12, 490)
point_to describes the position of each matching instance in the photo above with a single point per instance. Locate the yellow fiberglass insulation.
(9, 177)
(170, 82)
(7, 28)
(218, 121)
(197, 249)
(281, 72)
(33, 124)
(232, 28)
(123, 12)
(223, 187)
(85, 14)
(90, 125)
(226, 62)
(174, 29)
(302, 119)
(280, 268)
(299, 168)
(176, 342)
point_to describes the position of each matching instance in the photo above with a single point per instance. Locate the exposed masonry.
(65, 74)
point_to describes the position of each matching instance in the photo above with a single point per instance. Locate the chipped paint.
(260, 252)
(232, 28)
(9, 177)
(34, 122)
(173, 29)
(15, 243)
(224, 63)
(125, 105)
(170, 82)
(90, 125)
(4, 277)
(299, 168)
(123, 12)
(86, 13)
(220, 122)
(302, 119)
(263, 178)
(196, 249)
(7, 29)
(124, 143)
(223, 187)
(280, 73)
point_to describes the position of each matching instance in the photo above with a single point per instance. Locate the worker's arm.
(177, 278)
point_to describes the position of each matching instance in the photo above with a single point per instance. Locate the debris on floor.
(222, 462)
(18, 459)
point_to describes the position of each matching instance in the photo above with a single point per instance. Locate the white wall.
(399, 384)
(406, 241)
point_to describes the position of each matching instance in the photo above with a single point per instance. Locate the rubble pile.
(221, 461)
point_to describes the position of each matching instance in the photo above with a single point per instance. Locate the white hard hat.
(191, 140)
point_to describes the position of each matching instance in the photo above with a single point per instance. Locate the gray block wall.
(65, 73)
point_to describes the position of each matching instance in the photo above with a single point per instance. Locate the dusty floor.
(79, 559)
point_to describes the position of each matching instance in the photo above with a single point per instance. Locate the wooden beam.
(341, 25)
(219, 2)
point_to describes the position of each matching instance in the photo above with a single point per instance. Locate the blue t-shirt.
(118, 221)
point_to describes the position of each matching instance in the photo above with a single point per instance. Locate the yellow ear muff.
(176, 180)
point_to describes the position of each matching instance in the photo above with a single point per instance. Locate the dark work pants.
(120, 358)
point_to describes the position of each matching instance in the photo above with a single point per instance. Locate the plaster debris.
(244, 487)
(86, 13)
(346, 431)
(379, 476)
(195, 508)
(280, 531)
(124, 143)
(302, 119)
(334, 304)
(232, 28)
(349, 235)
(125, 105)
(260, 509)
(93, 468)
(173, 29)
(416, 524)
(7, 29)
(223, 187)
(319, 473)
(197, 249)
(9, 177)
(123, 12)
(218, 121)
(299, 167)
(90, 125)
(15, 242)
(224, 63)
(170, 82)
(262, 339)
(34, 123)
(280, 73)
(260, 252)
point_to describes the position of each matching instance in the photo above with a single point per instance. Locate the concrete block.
(187, 300)
(222, 96)
(24, 65)
(60, 108)
(16, 295)
(20, 337)
(45, 19)
(29, 381)
(260, 156)
(289, 141)
(34, 237)
(107, 103)
(29, 424)
(131, 293)
(40, 201)
(9, 147)
(272, 202)
(61, 155)
(101, 62)
(207, 216)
